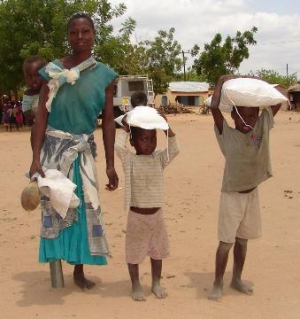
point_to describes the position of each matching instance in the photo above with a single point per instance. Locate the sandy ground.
(192, 187)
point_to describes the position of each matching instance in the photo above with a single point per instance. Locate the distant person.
(247, 164)
(31, 66)
(146, 232)
(5, 111)
(12, 113)
(139, 98)
(19, 114)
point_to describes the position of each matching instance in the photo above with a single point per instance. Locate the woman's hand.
(36, 167)
(113, 179)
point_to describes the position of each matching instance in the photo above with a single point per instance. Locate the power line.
(281, 42)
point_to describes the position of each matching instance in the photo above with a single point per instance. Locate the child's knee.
(241, 241)
(224, 246)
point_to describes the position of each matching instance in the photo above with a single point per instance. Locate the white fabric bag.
(248, 92)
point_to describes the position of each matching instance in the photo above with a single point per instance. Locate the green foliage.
(274, 77)
(163, 60)
(30, 27)
(224, 58)
(191, 75)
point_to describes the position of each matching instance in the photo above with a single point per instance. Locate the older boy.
(247, 164)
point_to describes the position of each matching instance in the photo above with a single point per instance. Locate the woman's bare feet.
(80, 280)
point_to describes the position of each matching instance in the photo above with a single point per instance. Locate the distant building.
(185, 93)
(294, 95)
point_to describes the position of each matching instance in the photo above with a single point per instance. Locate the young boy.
(146, 231)
(31, 66)
(247, 164)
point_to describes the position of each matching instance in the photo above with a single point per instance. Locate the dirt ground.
(192, 188)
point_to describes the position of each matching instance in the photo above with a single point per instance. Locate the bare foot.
(81, 281)
(240, 286)
(216, 293)
(159, 291)
(137, 293)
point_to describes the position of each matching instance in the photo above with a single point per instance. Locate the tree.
(163, 60)
(274, 77)
(218, 58)
(30, 27)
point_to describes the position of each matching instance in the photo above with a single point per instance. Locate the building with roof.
(294, 95)
(186, 93)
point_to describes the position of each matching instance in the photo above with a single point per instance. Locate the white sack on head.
(119, 119)
(223, 108)
(146, 117)
(249, 92)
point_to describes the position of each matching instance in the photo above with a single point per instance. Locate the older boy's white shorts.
(239, 216)
(146, 235)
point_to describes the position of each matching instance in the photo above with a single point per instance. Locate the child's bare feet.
(159, 291)
(240, 286)
(216, 293)
(137, 293)
(81, 281)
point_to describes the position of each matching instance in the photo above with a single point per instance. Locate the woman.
(75, 90)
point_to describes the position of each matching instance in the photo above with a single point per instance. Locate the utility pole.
(183, 60)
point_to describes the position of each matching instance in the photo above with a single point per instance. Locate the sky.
(197, 22)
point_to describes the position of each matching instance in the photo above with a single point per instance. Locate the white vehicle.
(125, 86)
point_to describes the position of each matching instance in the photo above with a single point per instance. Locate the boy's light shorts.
(239, 216)
(146, 235)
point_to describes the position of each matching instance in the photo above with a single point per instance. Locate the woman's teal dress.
(74, 110)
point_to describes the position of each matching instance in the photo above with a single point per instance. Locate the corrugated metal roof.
(188, 86)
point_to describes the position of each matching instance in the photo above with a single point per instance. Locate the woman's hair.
(139, 98)
(80, 15)
(34, 59)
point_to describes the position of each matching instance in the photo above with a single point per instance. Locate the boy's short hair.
(34, 59)
(139, 98)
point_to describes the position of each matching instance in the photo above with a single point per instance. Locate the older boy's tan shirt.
(144, 173)
(247, 156)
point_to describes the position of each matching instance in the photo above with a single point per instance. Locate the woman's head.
(81, 32)
(144, 141)
(31, 66)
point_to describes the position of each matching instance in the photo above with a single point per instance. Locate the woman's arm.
(109, 133)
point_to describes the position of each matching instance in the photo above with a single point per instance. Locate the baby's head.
(139, 98)
(31, 66)
(245, 118)
(144, 141)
